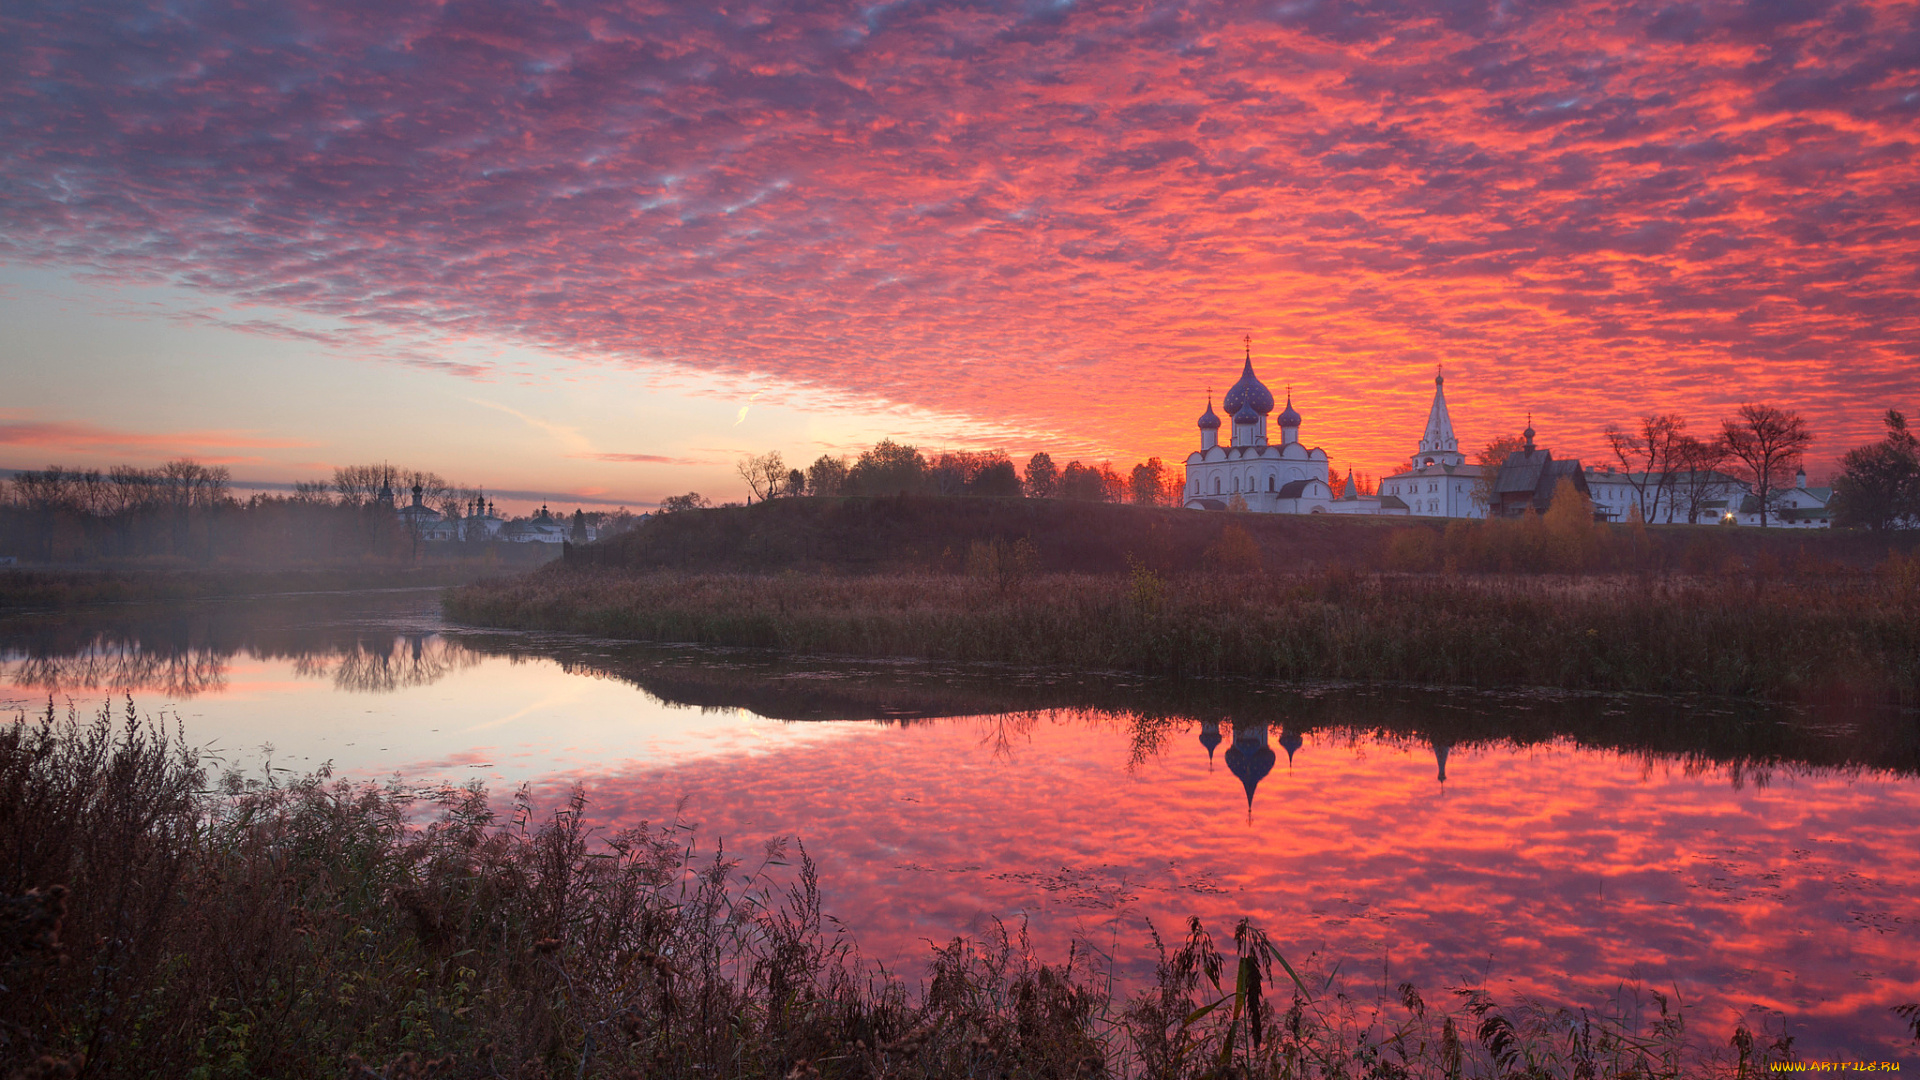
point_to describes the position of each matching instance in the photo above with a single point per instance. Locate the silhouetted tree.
(1769, 441)
(827, 476)
(692, 500)
(1042, 477)
(1088, 484)
(358, 484)
(888, 469)
(763, 474)
(1646, 457)
(1879, 484)
(1148, 483)
(996, 478)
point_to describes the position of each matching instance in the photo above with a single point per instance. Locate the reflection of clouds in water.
(1566, 869)
(407, 660)
(381, 664)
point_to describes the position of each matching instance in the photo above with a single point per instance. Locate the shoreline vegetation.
(67, 587)
(1555, 602)
(157, 924)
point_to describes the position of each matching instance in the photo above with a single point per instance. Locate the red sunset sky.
(1031, 226)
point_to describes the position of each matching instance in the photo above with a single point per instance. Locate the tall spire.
(1439, 438)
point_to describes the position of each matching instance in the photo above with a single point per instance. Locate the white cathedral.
(1292, 479)
(1283, 479)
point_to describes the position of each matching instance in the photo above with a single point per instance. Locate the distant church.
(1440, 481)
(1284, 479)
(1292, 479)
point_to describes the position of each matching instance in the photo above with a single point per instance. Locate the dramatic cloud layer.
(1063, 215)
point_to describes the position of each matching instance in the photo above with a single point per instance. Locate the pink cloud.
(81, 436)
(1062, 219)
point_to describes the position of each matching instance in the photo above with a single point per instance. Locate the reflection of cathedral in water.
(1250, 758)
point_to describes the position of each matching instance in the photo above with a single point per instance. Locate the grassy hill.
(922, 533)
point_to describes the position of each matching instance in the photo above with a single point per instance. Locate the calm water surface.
(1761, 865)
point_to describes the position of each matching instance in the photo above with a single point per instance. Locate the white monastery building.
(1284, 479)
(1290, 478)
(1439, 482)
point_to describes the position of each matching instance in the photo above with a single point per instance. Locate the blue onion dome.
(1249, 392)
(1250, 758)
(1246, 415)
(1207, 419)
(1289, 418)
(1290, 741)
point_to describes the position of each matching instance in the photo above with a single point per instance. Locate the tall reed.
(1825, 635)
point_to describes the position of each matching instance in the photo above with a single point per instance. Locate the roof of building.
(1246, 415)
(1393, 502)
(1535, 474)
(1207, 419)
(1438, 437)
(1289, 418)
(1292, 488)
(1249, 392)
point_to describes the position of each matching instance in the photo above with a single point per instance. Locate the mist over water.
(1757, 863)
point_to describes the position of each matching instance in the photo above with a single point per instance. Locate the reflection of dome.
(1289, 418)
(1209, 738)
(1250, 758)
(1249, 392)
(1290, 741)
(1440, 757)
(1209, 421)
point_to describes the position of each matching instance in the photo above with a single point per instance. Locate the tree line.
(891, 468)
(184, 510)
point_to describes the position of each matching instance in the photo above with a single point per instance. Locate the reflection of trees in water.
(362, 664)
(406, 660)
(180, 673)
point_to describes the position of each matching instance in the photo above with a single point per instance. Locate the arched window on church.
(1216, 485)
(1269, 481)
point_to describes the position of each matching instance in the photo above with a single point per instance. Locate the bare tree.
(312, 493)
(359, 484)
(1646, 458)
(1768, 440)
(433, 489)
(763, 474)
(1697, 476)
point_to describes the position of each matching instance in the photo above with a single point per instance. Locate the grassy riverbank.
(150, 926)
(48, 588)
(1849, 635)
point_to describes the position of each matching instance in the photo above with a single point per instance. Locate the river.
(1758, 864)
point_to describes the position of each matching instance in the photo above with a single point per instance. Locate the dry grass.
(152, 927)
(1824, 635)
